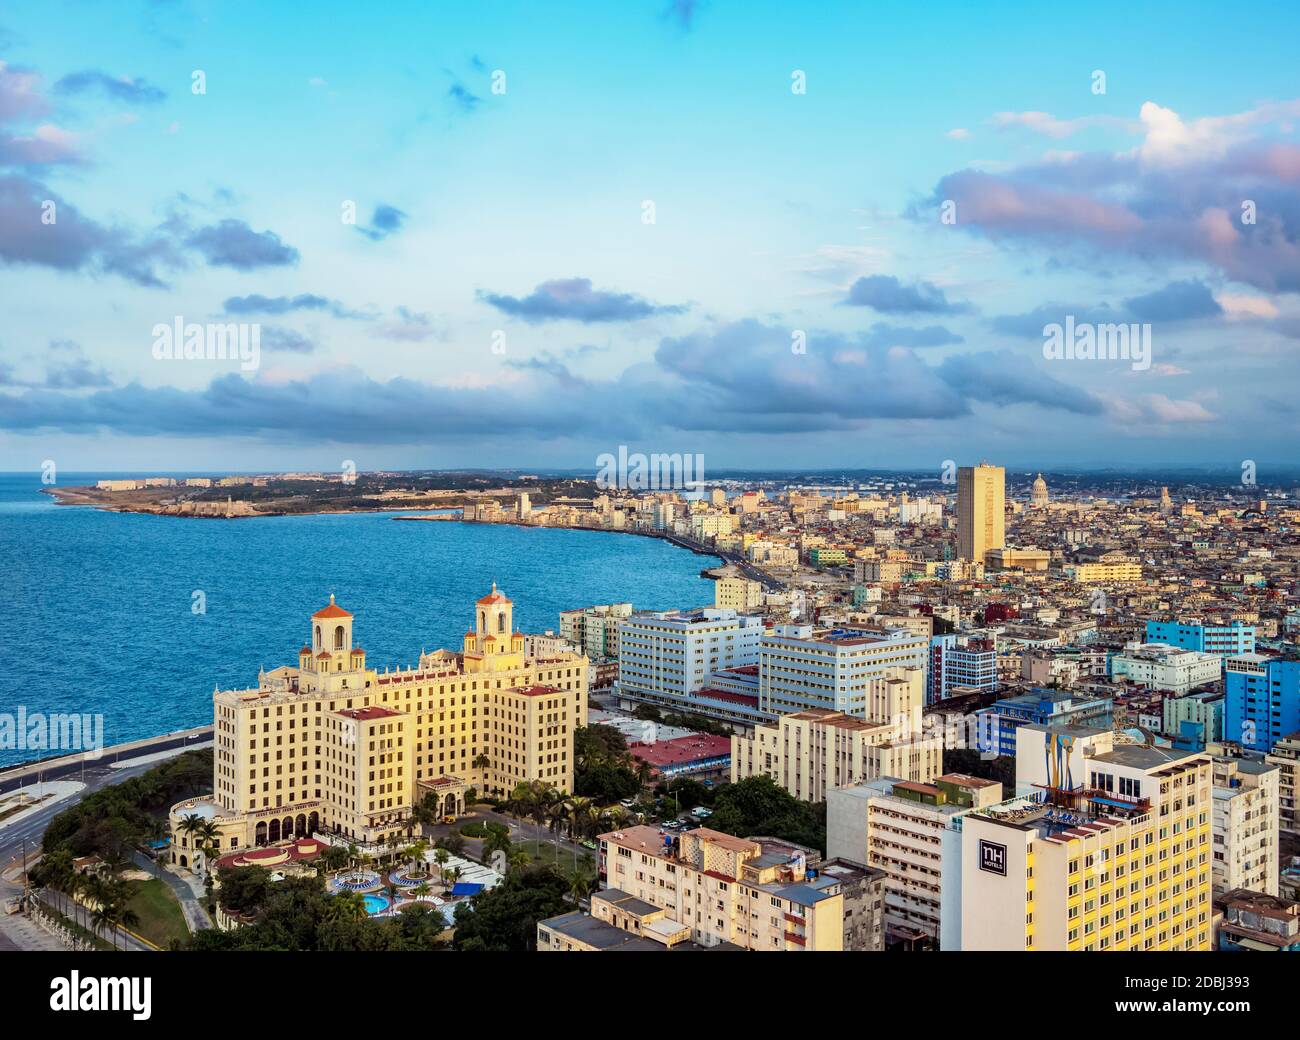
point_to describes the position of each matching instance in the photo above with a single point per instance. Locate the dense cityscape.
(954, 719)
(673, 476)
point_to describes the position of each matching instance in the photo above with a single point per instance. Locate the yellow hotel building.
(336, 747)
(1108, 849)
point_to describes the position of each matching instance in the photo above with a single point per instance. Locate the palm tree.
(346, 906)
(496, 840)
(580, 885)
(518, 858)
(209, 834)
(190, 823)
(415, 854)
(481, 761)
(441, 856)
(578, 816)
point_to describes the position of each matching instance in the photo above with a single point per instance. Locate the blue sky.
(516, 218)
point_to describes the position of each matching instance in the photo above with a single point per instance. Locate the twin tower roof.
(335, 611)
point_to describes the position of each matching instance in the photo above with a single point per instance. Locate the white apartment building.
(841, 670)
(666, 655)
(1164, 667)
(912, 832)
(1245, 825)
(810, 752)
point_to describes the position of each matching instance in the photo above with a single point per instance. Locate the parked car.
(589, 844)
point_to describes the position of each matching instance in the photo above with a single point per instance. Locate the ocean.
(98, 609)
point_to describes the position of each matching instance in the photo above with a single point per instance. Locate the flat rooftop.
(1142, 756)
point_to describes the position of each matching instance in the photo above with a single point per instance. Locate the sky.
(522, 235)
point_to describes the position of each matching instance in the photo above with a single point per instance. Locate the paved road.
(25, 836)
(23, 776)
(27, 832)
(525, 830)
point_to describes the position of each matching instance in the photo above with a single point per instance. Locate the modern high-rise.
(981, 510)
(1110, 849)
(967, 660)
(665, 656)
(1263, 699)
(844, 670)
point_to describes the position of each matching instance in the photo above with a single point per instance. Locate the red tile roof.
(683, 750)
(332, 611)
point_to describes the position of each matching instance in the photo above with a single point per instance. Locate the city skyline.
(680, 227)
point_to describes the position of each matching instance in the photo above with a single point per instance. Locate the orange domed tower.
(495, 614)
(493, 642)
(331, 659)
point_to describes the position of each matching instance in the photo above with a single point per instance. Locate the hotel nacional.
(336, 747)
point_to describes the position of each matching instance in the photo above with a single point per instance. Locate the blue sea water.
(96, 607)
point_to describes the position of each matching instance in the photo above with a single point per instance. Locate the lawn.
(545, 854)
(161, 917)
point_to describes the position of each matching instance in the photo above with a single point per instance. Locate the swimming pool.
(376, 904)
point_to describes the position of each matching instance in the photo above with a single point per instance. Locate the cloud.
(1002, 378)
(409, 326)
(465, 99)
(1157, 409)
(885, 293)
(74, 242)
(682, 12)
(738, 378)
(232, 243)
(1177, 301)
(883, 334)
(386, 220)
(71, 371)
(256, 303)
(1189, 191)
(119, 88)
(19, 97)
(1189, 300)
(959, 133)
(286, 341)
(573, 299)
(1048, 125)
(44, 146)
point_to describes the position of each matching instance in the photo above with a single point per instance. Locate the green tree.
(505, 918)
(758, 805)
